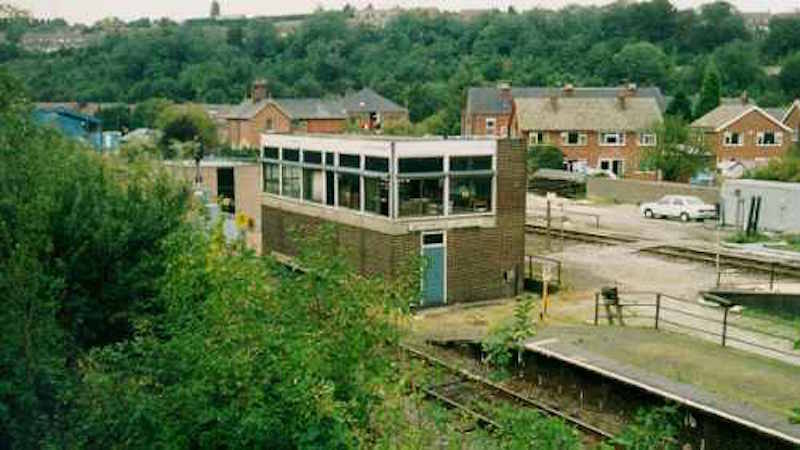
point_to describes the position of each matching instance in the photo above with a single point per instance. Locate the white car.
(685, 207)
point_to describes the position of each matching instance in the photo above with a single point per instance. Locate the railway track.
(582, 236)
(745, 262)
(478, 397)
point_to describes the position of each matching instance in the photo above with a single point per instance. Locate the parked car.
(685, 207)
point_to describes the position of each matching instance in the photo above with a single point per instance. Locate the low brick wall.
(636, 191)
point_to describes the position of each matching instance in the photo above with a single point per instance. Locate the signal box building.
(460, 204)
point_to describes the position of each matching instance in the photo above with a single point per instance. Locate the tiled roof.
(367, 100)
(721, 115)
(588, 113)
(487, 100)
(776, 113)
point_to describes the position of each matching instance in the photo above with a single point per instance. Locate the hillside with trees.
(419, 59)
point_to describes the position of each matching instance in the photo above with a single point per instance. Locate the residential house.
(591, 127)
(488, 110)
(791, 118)
(745, 133)
(262, 113)
(82, 127)
(458, 203)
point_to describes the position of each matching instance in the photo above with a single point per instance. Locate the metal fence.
(693, 318)
(539, 268)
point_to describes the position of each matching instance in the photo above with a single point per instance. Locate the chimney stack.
(569, 89)
(632, 87)
(505, 94)
(259, 91)
(745, 98)
(622, 98)
(554, 99)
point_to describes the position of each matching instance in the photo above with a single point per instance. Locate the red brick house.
(591, 127)
(791, 118)
(488, 110)
(746, 133)
(261, 113)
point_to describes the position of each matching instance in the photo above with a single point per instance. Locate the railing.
(665, 312)
(539, 267)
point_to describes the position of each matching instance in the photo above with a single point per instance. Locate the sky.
(89, 11)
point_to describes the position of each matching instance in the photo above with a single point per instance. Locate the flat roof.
(404, 146)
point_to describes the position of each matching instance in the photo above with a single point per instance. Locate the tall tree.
(680, 106)
(711, 91)
(790, 76)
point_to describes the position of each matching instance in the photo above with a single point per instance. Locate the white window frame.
(582, 141)
(601, 139)
(610, 161)
(648, 139)
(777, 138)
(490, 129)
(536, 138)
(727, 139)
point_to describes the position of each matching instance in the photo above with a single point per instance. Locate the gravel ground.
(588, 267)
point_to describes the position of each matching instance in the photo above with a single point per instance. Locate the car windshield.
(693, 201)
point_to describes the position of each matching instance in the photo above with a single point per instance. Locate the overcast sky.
(88, 11)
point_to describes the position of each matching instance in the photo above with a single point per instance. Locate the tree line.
(424, 61)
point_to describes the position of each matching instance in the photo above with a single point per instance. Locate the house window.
(536, 137)
(573, 138)
(272, 178)
(291, 154)
(311, 157)
(376, 164)
(733, 139)
(470, 194)
(612, 139)
(769, 138)
(268, 124)
(351, 161)
(647, 139)
(491, 123)
(615, 166)
(270, 153)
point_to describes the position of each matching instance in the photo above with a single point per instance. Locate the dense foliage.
(418, 59)
(544, 157)
(678, 154)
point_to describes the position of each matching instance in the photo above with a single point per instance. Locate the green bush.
(544, 157)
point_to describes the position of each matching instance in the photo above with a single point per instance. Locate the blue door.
(434, 279)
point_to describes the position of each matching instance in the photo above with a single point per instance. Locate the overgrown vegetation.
(544, 157)
(651, 429)
(433, 56)
(677, 153)
(785, 168)
(497, 346)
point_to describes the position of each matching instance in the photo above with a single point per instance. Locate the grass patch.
(743, 238)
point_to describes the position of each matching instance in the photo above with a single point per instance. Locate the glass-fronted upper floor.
(392, 179)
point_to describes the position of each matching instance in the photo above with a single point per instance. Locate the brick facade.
(793, 121)
(482, 263)
(592, 153)
(748, 127)
(247, 132)
(475, 124)
(323, 126)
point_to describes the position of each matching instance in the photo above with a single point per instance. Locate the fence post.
(596, 307)
(724, 324)
(559, 273)
(658, 308)
(771, 276)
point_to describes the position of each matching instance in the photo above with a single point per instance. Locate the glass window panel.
(421, 197)
(291, 181)
(375, 164)
(291, 154)
(376, 196)
(353, 161)
(330, 184)
(420, 165)
(433, 238)
(271, 152)
(472, 194)
(329, 158)
(349, 191)
(271, 178)
(463, 163)
(312, 157)
(313, 180)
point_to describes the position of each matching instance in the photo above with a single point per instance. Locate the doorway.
(226, 192)
(434, 278)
